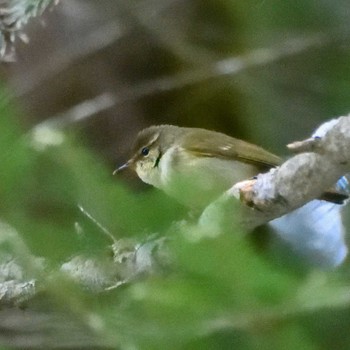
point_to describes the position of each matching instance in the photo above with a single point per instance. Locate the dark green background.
(223, 294)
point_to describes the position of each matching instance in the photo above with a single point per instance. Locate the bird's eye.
(145, 151)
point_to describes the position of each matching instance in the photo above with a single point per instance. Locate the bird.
(195, 166)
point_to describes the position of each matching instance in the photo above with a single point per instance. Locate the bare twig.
(79, 112)
(229, 66)
(90, 44)
(93, 42)
(97, 223)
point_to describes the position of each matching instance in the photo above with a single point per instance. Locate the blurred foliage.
(223, 292)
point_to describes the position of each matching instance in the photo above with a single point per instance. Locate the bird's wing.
(206, 143)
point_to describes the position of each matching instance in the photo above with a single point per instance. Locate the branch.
(324, 159)
(226, 67)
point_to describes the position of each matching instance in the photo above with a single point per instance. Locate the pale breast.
(196, 181)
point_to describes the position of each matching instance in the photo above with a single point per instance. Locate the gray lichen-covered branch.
(320, 161)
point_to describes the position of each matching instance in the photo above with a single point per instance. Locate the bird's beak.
(122, 167)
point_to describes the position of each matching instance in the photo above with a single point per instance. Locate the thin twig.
(97, 223)
(79, 112)
(230, 66)
(95, 41)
